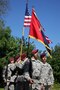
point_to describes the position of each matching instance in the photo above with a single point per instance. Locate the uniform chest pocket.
(36, 69)
(36, 65)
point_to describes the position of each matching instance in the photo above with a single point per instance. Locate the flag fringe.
(40, 41)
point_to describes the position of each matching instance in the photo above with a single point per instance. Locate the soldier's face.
(44, 59)
(36, 55)
(12, 61)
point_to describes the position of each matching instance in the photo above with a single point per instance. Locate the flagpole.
(28, 47)
(26, 1)
(28, 39)
(27, 20)
(21, 49)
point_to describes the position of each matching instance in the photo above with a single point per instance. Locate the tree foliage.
(11, 46)
(55, 62)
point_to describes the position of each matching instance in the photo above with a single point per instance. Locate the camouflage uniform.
(47, 78)
(5, 78)
(36, 66)
(12, 75)
(22, 68)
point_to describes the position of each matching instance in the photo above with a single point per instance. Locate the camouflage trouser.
(48, 87)
(36, 85)
(22, 86)
(21, 83)
(6, 86)
(12, 86)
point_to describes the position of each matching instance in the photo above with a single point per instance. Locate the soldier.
(36, 67)
(4, 75)
(11, 74)
(47, 78)
(22, 68)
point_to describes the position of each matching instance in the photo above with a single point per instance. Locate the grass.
(1, 89)
(55, 87)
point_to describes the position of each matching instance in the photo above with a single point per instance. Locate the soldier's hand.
(31, 81)
(42, 87)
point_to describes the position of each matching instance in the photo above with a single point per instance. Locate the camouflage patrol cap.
(34, 51)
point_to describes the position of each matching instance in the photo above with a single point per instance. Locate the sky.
(48, 13)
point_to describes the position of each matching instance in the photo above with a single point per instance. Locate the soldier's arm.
(20, 64)
(8, 73)
(51, 75)
(4, 73)
(26, 72)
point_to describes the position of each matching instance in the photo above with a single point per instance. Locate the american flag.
(27, 18)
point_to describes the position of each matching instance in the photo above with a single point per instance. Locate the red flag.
(36, 32)
(35, 28)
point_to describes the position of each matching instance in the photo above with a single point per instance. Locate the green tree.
(55, 62)
(4, 38)
(11, 46)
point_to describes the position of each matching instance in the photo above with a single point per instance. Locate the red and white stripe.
(27, 21)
